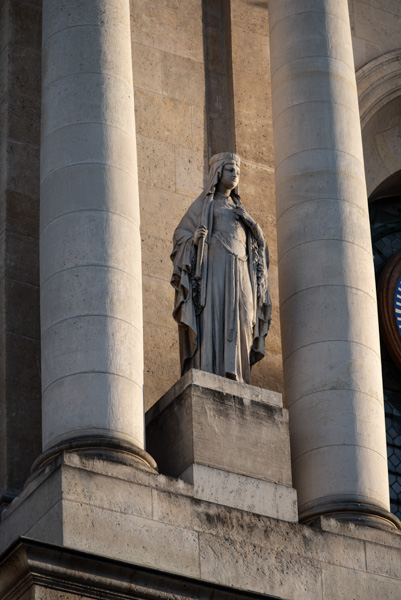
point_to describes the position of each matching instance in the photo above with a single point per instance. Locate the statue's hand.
(200, 232)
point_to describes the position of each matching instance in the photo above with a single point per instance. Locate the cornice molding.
(30, 563)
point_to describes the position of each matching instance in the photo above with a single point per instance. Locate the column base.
(359, 513)
(103, 447)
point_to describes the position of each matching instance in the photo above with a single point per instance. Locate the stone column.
(331, 351)
(91, 291)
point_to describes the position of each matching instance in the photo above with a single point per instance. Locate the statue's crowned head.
(225, 157)
(216, 164)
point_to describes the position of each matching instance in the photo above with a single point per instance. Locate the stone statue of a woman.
(220, 256)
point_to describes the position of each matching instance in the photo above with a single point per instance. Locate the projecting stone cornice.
(31, 566)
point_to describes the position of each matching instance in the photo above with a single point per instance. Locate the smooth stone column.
(331, 351)
(91, 290)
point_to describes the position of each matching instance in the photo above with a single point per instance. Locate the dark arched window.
(385, 220)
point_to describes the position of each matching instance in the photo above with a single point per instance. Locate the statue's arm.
(252, 224)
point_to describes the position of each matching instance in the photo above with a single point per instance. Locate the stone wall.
(20, 400)
(375, 28)
(168, 66)
(201, 87)
(202, 79)
(376, 43)
(140, 520)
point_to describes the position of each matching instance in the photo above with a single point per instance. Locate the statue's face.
(230, 175)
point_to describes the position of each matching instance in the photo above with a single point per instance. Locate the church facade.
(118, 477)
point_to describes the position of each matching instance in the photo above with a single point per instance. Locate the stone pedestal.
(229, 439)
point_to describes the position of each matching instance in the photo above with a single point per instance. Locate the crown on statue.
(224, 156)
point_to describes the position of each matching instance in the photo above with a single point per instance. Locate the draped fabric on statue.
(224, 316)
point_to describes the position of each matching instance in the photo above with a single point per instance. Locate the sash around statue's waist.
(219, 237)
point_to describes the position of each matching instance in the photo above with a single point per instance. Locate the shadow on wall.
(219, 104)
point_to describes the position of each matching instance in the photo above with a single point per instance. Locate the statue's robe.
(223, 318)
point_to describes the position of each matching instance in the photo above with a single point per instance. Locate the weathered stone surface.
(374, 28)
(215, 56)
(161, 367)
(215, 422)
(26, 23)
(254, 20)
(20, 446)
(156, 259)
(190, 118)
(199, 139)
(183, 78)
(166, 29)
(80, 188)
(383, 561)
(165, 119)
(124, 514)
(190, 172)
(381, 132)
(26, 130)
(17, 346)
(270, 569)
(22, 308)
(27, 510)
(107, 493)
(24, 71)
(247, 47)
(48, 573)
(254, 105)
(155, 157)
(20, 179)
(342, 583)
(132, 538)
(246, 493)
(254, 139)
(219, 384)
(20, 79)
(21, 260)
(20, 214)
(353, 530)
(301, 540)
(167, 206)
(147, 68)
(49, 527)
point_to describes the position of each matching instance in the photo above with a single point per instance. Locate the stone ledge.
(245, 493)
(88, 505)
(355, 530)
(217, 384)
(31, 566)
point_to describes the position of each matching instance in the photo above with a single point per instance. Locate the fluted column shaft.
(331, 351)
(91, 292)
